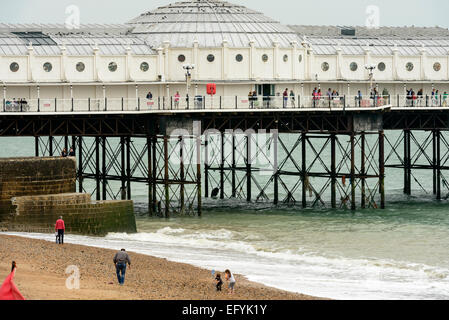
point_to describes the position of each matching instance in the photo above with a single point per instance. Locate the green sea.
(397, 253)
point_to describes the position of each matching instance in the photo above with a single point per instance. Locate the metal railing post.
(220, 102)
(236, 102)
(88, 103)
(72, 104)
(159, 103)
(138, 103)
(38, 104)
(398, 102)
(123, 104)
(105, 104)
(4, 105)
(56, 103)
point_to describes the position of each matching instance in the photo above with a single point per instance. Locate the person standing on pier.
(120, 260)
(60, 229)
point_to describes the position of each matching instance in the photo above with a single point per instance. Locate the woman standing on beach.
(229, 277)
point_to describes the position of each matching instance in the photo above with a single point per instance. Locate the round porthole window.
(285, 58)
(437, 66)
(144, 66)
(264, 58)
(181, 58)
(300, 58)
(239, 58)
(210, 58)
(381, 66)
(409, 66)
(48, 67)
(353, 66)
(80, 67)
(112, 67)
(325, 66)
(14, 67)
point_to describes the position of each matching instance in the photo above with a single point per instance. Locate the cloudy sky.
(329, 12)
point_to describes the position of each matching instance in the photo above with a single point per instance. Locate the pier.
(185, 153)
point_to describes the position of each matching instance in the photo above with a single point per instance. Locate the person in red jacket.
(60, 228)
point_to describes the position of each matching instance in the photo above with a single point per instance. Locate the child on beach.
(218, 281)
(229, 277)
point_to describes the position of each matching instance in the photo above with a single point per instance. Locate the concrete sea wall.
(34, 192)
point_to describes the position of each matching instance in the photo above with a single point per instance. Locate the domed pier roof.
(210, 22)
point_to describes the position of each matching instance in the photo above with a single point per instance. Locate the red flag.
(9, 291)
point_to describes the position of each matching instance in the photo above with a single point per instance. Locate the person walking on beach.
(60, 228)
(120, 260)
(229, 277)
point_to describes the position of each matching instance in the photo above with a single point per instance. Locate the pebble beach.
(41, 267)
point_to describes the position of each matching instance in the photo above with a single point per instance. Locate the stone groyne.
(34, 192)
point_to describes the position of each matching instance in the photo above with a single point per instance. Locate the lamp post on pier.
(188, 68)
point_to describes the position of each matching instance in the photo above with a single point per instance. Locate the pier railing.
(218, 103)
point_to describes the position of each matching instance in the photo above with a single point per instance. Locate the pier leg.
(438, 136)
(434, 161)
(150, 178)
(97, 168)
(222, 162)
(182, 186)
(36, 146)
(50, 146)
(304, 169)
(80, 164)
(275, 167)
(362, 170)
(407, 163)
(353, 186)
(166, 179)
(206, 167)
(123, 167)
(103, 168)
(248, 167)
(233, 179)
(382, 169)
(128, 167)
(155, 169)
(333, 172)
(198, 173)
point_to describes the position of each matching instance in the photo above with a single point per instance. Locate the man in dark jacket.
(120, 260)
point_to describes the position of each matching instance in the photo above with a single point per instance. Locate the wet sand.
(41, 276)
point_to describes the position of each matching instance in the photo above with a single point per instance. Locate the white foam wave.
(296, 271)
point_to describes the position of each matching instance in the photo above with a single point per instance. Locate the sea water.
(397, 253)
